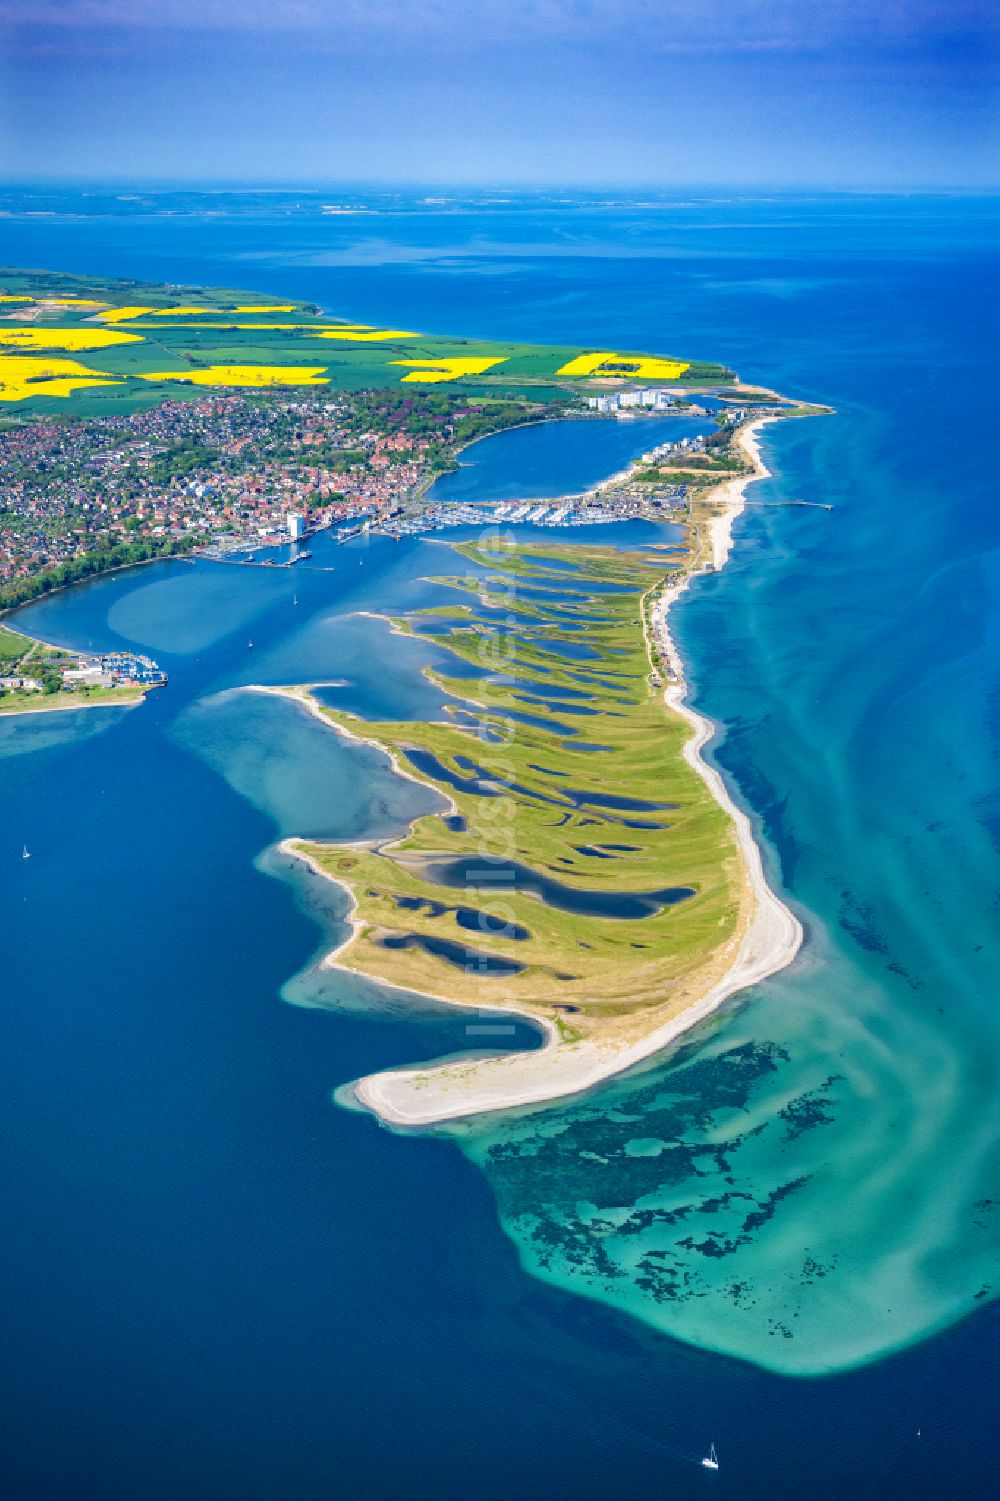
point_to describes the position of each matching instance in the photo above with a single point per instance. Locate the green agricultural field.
(89, 346)
(559, 635)
(12, 646)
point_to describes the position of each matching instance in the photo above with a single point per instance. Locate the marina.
(573, 511)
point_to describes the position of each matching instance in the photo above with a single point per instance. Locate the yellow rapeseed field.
(202, 312)
(361, 336)
(121, 314)
(228, 327)
(642, 367)
(245, 375)
(21, 377)
(430, 371)
(180, 312)
(65, 338)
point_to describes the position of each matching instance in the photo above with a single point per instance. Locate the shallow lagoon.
(483, 873)
(549, 459)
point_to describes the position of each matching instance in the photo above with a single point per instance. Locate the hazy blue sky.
(799, 92)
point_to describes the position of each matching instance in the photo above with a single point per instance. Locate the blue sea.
(785, 1237)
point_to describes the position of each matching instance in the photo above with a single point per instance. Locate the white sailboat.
(711, 1460)
(26, 853)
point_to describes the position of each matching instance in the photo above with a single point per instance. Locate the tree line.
(19, 591)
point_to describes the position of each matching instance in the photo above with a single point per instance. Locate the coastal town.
(226, 469)
(233, 477)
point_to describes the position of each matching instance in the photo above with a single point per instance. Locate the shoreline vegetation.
(99, 698)
(98, 563)
(36, 666)
(755, 933)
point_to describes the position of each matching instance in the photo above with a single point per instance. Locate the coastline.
(113, 699)
(16, 711)
(293, 847)
(100, 573)
(301, 694)
(770, 937)
(732, 493)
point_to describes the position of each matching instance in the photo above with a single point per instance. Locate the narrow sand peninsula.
(732, 495)
(425, 1096)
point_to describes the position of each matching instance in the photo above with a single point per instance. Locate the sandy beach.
(770, 937)
(732, 495)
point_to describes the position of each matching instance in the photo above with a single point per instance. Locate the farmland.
(95, 346)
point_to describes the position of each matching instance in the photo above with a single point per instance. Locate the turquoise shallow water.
(205, 1247)
(840, 1198)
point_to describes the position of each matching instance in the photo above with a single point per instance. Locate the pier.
(213, 557)
(818, 505)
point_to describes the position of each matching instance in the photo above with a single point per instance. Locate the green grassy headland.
(571, 623)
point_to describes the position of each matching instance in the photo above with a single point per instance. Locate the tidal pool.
(482, 873)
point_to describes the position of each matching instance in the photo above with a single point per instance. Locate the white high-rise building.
(296, 523)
